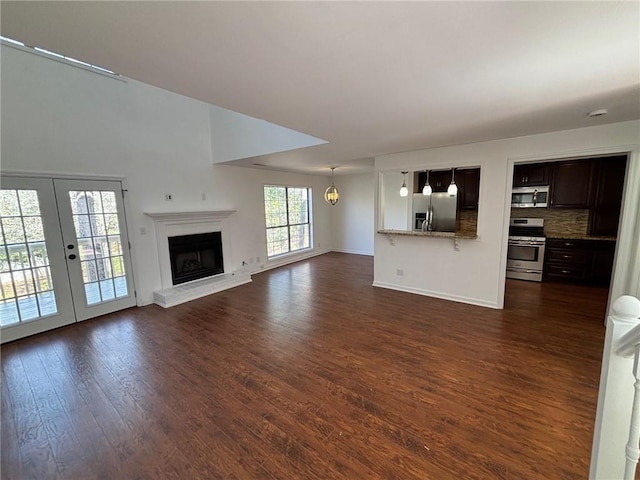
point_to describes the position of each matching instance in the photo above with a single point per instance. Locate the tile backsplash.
(557, 221)
(467, 221)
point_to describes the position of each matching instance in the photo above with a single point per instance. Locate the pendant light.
(404, 191)
(453, 188)
(331, 194)
(427, 190)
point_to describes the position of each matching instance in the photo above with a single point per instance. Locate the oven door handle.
(523, 243)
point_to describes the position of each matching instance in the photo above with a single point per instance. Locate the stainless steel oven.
(525, 253)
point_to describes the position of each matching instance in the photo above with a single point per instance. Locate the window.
(57, 56)
(287, 217)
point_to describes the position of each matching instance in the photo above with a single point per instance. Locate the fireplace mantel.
(168, 224)
(190, 216)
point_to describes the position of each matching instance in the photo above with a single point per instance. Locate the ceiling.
(368, 77)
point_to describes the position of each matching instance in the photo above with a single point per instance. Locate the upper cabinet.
(440, 180)
(572, 184)
(468, 181)
(605, 215)
(531, 175)
(610, 173)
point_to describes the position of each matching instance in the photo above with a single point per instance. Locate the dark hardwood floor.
(309, 372)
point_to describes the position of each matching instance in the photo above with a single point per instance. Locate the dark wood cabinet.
(579, 261)
(530, 175)
(468, 181)
(605, 215)
(572, 184)
(418, 181)
(440, 180)
(602, 263)
(566, 260)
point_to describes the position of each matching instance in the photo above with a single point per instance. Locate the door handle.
(72, 256)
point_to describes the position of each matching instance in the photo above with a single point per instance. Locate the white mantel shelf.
(194, 215)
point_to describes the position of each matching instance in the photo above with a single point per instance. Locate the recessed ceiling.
(368, 77)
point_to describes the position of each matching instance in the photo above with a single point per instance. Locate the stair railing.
(618, 413)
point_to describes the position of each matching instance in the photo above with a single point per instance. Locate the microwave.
(529, 197)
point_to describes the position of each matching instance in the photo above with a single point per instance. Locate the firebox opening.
(195, 256)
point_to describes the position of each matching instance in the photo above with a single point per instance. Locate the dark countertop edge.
(582, 237)
(464, 236)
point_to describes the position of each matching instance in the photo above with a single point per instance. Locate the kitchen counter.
(580, 237)
(462, 235)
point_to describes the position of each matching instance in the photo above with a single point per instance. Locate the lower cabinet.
(579, 261)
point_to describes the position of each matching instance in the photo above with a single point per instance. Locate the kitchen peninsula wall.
(558, 222)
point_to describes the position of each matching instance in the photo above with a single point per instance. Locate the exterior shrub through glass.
(287, 219)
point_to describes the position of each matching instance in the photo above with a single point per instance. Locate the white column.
(615, 397)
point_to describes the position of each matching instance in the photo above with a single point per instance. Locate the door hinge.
(135, 293)
(129, 245)
(123, 192)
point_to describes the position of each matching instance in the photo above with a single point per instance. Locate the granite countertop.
(463, 235)
(573, 236)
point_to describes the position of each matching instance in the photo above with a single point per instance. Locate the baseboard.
(353, 252)
(444, 296)
(280, 262)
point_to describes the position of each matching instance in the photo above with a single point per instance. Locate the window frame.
(288, 223)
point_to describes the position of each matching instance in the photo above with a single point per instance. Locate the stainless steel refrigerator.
(438, 209)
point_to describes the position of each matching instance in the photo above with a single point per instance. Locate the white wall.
(234, 136)
(397, 210)
(352, 217)
(65, 120)
(476, 273)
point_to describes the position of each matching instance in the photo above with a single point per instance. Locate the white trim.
(502, 273)
(27, 328)
(443, 296)
(292, 258)
(353, 252)
(626, 267)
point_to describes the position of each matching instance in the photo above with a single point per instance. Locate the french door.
(64, 253)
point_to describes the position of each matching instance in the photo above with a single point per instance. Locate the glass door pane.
(95, 220)
(34, 287)
(94, 231)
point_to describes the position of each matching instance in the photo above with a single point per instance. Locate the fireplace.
(190, 262)
(195, 256)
